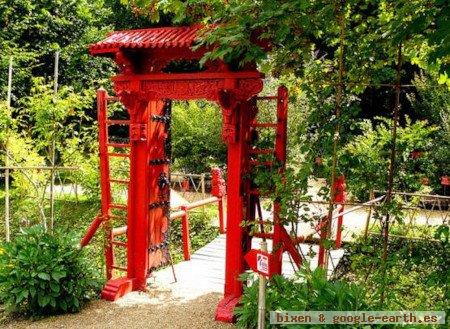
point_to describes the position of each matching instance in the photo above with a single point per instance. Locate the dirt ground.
(195, 314)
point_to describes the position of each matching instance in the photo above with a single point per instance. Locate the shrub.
(44, 274)
(308, 291)
(365, 159)
(417, 269)
(196, 137)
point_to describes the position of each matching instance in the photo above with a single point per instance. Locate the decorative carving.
(227, 98)
(183, 89)
(209, 89)
(138, 132)
(124, 63)
(218, 183)
(120, 86)
(247, 88)
(229, 125)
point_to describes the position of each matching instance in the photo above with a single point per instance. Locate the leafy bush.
(309, 291)
(196, 137)
(201, 231)
(44, 274)
(433, 103)
(417, 269)
(365, 159)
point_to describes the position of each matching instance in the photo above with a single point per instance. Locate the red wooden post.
(105, 188)
(137, 227)
(185, 233)
(340, 197)
(237, 140)
(234, 258)
(323, 236)
(222, 228)
(219, 190)
(185, 184)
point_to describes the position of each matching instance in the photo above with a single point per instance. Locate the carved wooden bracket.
(138, 132)
(124, 63)
(228, 102)
(136, 91)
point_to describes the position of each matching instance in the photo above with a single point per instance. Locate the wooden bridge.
(205, 272)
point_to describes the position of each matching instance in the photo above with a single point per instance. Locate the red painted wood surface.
(105, 187)
(340, 197)
(137, 223)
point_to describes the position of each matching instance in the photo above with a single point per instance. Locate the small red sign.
(445, 180)
(260, 262)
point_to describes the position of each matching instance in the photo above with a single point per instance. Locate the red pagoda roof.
(161, 37)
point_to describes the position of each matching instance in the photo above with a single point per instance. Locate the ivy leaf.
(55, 287)
(23, 295)
(43, 300)
(44, 276)
(58, 275)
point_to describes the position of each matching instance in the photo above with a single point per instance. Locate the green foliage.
(44, 274)
(6, 122)
(54, 117)
(201, 231)
(373, 31)
(308, 291)
(417, 279)
(433, 102)
(32, 31)
(196, 137)
(365, 159)
(417, 268)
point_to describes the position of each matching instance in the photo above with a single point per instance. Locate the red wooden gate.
(146, 84)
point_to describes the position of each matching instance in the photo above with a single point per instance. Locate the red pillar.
(137, 221)
(323, 236)
(137, 228)
(219, 190)
(236, 240)
(222, 227)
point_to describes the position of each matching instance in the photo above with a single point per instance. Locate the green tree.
(196, 137)
(32, 31)
(365, 159)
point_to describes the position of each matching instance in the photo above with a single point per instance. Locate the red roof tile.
(161, 37)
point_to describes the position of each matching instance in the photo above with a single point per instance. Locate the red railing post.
(185, 233)
(222, 229)
(95, 224)
(323, 236)
(219, 191)
(102, 109)
(340, 197)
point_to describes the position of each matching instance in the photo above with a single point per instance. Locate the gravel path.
(171, 313)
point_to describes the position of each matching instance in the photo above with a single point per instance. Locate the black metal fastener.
(159, 161)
